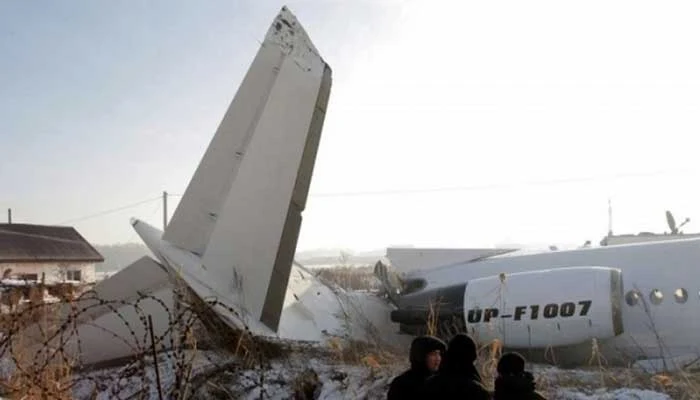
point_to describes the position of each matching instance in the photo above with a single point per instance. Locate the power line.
(484, 187)
(488, 186)
(414, 191)
(105, 212)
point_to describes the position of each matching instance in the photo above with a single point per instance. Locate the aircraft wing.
(416, 261)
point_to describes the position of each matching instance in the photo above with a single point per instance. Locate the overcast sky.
(539, 112)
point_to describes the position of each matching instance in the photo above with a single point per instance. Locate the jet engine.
(534, 309)
(556, 307)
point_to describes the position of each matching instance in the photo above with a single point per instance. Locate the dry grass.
(350, 277)
(44, 368)
(683, 385)
(38, 373)
(678, 385)
(305, 385)
(33, 379)
(52, 375)
(355, 352)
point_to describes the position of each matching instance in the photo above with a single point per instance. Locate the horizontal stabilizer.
(142, 277)
(109, 322)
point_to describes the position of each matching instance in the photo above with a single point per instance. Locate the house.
(58, 253)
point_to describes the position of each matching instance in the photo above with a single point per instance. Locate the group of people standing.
(447, 371)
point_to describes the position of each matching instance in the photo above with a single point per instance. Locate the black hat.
(511, 364)
(463, 347)
(421, 346)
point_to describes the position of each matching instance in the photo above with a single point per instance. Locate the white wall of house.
(54, 272)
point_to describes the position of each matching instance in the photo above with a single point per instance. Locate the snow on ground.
(327, 378)
(315, 311)
(618, 394)
(280, 379)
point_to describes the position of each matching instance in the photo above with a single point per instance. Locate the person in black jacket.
(425, 356)
(458, 377)
(513, 382)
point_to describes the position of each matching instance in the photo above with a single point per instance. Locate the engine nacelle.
(537, 309)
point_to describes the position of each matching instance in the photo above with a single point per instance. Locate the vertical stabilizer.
(242, 210)
(193, 221)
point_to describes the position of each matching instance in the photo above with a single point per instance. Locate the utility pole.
(9, 215)
(165, 210)
(610, 229)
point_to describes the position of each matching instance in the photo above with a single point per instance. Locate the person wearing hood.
(458, 377)
(513, 382)
(425, 357)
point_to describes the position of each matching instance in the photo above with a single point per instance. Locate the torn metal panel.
(316, 311)
(124, 332)
(109, 322)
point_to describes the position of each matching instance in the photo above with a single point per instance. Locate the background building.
(58, 253)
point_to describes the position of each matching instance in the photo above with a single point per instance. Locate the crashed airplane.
(625, 303)
(233, 237)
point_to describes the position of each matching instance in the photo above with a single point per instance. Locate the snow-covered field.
(326, 377)
(330, 368)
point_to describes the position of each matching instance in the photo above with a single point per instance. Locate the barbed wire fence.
(195, 354)
(41, 346)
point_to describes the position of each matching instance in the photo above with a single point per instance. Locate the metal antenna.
(610, 218)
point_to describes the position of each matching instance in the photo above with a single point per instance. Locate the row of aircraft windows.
(655, 296)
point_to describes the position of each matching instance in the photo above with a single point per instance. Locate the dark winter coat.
(409, 385)
(458, 377)
(516, 387)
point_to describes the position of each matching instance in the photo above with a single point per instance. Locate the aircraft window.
(632, 298)
(656, 297)
(681, 295)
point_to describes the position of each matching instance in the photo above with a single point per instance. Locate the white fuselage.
(656, 326)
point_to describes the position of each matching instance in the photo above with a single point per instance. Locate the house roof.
(42, 243)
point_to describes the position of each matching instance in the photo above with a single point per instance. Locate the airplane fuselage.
(656, 302)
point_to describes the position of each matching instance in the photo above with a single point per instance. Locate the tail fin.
(193, 221)
(242, 209)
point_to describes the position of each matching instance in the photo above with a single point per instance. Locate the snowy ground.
(328, 379)
(316, 311)
(617, 394)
